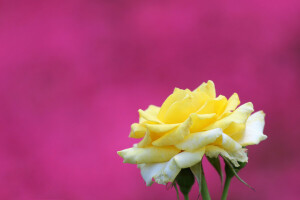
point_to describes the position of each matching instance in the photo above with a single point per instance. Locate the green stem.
(186, 197)
(204, 188)
(226, 187)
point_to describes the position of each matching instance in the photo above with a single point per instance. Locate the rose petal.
(151, 110)
(187, 159)
(240, 115)
(208, 88)
(199, 140)
(161, 128)
(180, 110)
(148, 171)
(162, 172)
(234, 157)
(229, 144)
(254, 129)
(148, 116)
(137, 130)
(201, 121)
(216, 105)
(232, 103)
(177, 95)
(137, 155)
(235, 130)
(175, 136)
(146, 141)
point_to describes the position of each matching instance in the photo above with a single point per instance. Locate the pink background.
(74, 73)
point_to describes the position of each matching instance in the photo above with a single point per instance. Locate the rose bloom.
(189, 125)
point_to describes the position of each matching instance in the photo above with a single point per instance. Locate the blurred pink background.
(74, 73)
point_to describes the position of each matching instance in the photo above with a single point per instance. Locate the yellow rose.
(188, 125)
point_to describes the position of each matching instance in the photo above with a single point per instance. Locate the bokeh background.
(74, 73)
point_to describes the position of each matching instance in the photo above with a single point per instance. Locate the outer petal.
(198, 140)
(187, 159)
(161, 172)
(234, 157)
(137, 155)
(147, 116)
(240, 115)
(175, 136)
(208, 88)
(148, 171)
(151, 110)
(254, 129)
(137, 130)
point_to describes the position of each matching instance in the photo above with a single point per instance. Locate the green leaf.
(231, 170)
(199, 174)
(215, 162)
(185, 179)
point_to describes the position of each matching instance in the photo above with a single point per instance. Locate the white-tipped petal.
(148, 171)
(254, 129)
(162, 172)
(188, 159)
(235, 157)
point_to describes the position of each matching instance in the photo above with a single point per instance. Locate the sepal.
(215, 162)
(185, 179)
(232, 170)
